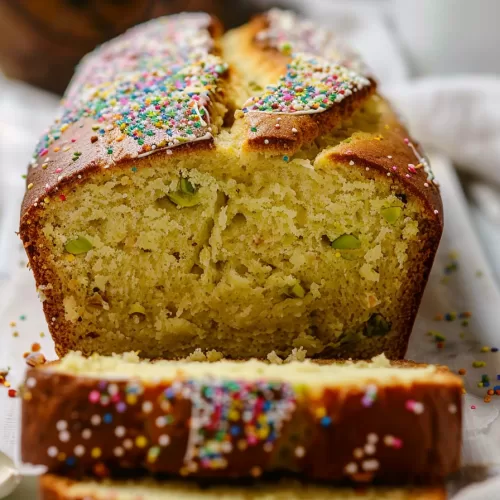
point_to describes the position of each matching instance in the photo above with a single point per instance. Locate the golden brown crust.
(383, 432)
(297, 131)
(391, 151)
(54, 487)
(294, 130)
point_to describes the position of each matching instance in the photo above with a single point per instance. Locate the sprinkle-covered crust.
(288, 33)
(154, 88)
(153, 84)
(54, 487)
(321, 78)
(327, 84)
(314, 95)
(389, 432)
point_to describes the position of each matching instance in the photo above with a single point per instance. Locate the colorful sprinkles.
(155, 87)
(484, 380)
(226, 411)
(290, 34)
(225, 416)
(3, 377)
(311, 85)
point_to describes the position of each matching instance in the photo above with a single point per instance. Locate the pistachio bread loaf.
(246, 193)
(358, 422)
(59, 488)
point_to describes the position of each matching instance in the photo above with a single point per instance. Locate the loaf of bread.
(360, 422)
(58, 488)
(246, 193)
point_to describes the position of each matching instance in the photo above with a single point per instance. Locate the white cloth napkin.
(459, 116)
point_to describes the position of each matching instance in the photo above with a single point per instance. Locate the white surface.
(9, 476)
(450, 36)
(444, 120)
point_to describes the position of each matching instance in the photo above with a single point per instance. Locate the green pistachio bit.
(391, 214)
(78, 246)
(377, 326)
(297, 291)
(346, 242)
(255, 86)
(186, 186)
(183, 199)
(186, 196)
(351, 254)
(136, 309)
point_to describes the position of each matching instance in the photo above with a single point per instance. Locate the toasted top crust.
(164, 87)
(323, 82)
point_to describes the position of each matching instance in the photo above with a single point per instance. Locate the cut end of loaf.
(332, 374)
(267, 254)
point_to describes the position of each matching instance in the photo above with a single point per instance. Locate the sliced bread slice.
(54, 487)
(394, 423)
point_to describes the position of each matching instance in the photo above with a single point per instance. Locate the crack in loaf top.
(152, 88)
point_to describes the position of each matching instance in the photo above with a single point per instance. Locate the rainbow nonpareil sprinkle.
(311, 85)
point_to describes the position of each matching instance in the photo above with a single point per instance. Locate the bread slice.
(362, 422)
(167, 209)
(54, 487)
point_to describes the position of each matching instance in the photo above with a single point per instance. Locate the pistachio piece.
(186, 196)
(377, 326)
(78, 246)
(184, 200)
(391, 214)
(346, 242)
(255, 87)
(297, 291)
(137, 309)
(186, 186)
